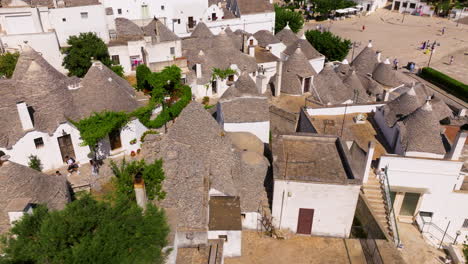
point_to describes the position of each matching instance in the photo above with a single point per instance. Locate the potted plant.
(133, 154)
(133, 141)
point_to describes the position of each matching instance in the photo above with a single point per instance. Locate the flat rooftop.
(225, 213)
(313, 158)
(345, 127)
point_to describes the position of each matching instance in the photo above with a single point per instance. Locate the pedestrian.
(395, 64)
(451, 60)
(363, 28)
(443, 30)
(57, 173)
(424, 45)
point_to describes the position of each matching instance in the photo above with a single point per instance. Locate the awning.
(350, 9)
(359, 6)
(341, 11)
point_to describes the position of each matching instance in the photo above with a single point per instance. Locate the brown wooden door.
(115, 141)
(66, 147)
(191, 23)
(304, 222)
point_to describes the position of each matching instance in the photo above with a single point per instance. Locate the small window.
(172, 51)
(243, 216)
(405, 5)
(225, 237)
(412, 5)
(178, 21)
(115, 141)
(162, 7)
(119, 11)
(84, 15)
(39, 142)
(64, 20)
(251, 42)
(231, 78)
(465, 224)
(116, 59)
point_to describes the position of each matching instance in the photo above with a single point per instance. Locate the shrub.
(286, 16)
(35, 163)
(333, 47)
(148, 132)
(8, 63)
(206, 100)
(142, 73)
(447, 83)
(118, 69)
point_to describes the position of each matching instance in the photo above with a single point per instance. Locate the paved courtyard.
(402, 39)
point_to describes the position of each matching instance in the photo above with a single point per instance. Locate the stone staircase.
(374, 193)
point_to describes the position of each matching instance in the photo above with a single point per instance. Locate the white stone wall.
(334, 206)
(74, 24)
(23, 20)
(45, 43)
(251, 220)
(259, 129)
(233, 246)
(317, 63)
(49, 154)
(162, 51)
(440, 178)
(340, 110)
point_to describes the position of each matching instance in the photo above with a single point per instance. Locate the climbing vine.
(222, 74)
(99, 125)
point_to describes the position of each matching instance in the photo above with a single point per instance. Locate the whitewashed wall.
(49, 154)
(317, 64)
(440, 178)
(75, 24)
(259, 129)
(23, 20)
(341, 109)
(162, 51)
(45, 43)
(233, 246)
(277, 49)
(251, 220)
(334, 206)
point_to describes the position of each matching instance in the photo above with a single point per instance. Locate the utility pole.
(430, 57)
(404, 13)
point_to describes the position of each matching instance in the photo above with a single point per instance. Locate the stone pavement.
(397, 39)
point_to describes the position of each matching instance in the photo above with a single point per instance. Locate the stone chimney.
(370, 154)
(261, 83)
(370, 44)
(198, 70)
(458, 144)
(279, 77)
(140, 192)
(24, 116)
(378, 54)
(252, 51)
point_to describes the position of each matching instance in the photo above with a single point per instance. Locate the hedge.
(445, 82)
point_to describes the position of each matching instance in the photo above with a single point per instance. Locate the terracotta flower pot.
(132, 153)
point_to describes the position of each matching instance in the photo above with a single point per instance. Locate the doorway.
(66, 147)
(115, 141)
(307, 85)
(409, 205)
(191, 22)
(397, 6)
(304, 221)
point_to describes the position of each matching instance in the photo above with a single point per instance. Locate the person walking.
(363, 28)
(395, 64)
(451, 60)
(443, 30)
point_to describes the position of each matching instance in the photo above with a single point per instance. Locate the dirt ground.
(258, 249)
(401, 39)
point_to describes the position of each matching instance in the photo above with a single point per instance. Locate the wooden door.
(304, 222)
(66, 147)
(191, 23)
(114, 138)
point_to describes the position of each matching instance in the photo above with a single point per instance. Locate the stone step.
(375, 200)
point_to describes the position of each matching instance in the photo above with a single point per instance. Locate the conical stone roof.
(201, 31)
(297, 66)
(402, 106)
(365, 62)
(385, 75)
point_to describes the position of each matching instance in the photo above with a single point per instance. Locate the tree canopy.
(89, 231)
(152, 175)
(8, 63)
(325, 7)
(286, 16)
(82, 49)
(331, 46)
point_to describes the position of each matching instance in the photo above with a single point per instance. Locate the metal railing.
(391, 212)
(436, 234)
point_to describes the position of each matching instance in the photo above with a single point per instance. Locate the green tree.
(118, 69)
(326, 7)
(152, 175)
(88, 231)
(165, 82)
(80, 51)
(35, 163)
(333, 47)
(285, 16)
(8, 63)
(142, 74)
